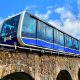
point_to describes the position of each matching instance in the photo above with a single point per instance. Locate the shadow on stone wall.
(64, 75)
(79, 74)
(17, 76)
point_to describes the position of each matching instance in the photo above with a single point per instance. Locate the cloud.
(67, 22)
(44, 16)
(0, 17)
(71, 24)
(49, 7)
(11, 15)
(65, 14)
(1, 20)
(55, 23)
(78, 1)
(72, 27)
(30, 7)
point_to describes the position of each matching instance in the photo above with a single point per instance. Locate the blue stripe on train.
(37, 43)
(76, 52)
(68, 50)
(57, 47)
(71, 51)
(29, 41)
(43, 44)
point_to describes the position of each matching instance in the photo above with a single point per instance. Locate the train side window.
(70, 42)
(61, 38)
(41, 30)
(75, 44)
(79, 45)
(55, 36)
(66, 40)
(58, 37)
(49, 34)
(29, 27)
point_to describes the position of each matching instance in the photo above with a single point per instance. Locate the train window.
(41, 30)
(58, 37)
(55, 36)
(75, 44)
(61, 38)
(9, 28)
(79, 45)
(68, 41)
(44, 32)
(29, 27)
(0, 28)
(49, 34)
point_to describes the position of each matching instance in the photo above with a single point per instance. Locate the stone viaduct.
(32, 65)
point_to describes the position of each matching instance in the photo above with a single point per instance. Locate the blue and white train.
(27, 30)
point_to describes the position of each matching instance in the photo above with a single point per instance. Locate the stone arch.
(18, 76)
(64, 75)
(79, 74)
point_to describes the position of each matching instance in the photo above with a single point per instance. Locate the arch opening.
(64, 75)
(79, 74)
(18, 76)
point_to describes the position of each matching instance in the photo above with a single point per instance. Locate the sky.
(63, 14)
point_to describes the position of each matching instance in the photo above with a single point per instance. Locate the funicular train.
(27, 30)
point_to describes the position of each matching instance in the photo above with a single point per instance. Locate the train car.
(27, 30)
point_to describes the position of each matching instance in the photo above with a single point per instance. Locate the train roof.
(39, 20)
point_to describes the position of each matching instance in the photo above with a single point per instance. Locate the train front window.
(29, 27)
(9, 28)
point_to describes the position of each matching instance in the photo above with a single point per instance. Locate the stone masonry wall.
(40, 67)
